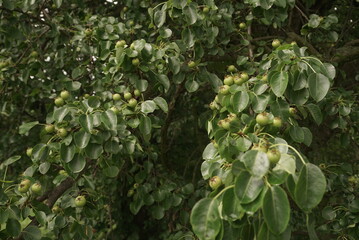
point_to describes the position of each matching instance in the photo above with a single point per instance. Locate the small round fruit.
(63, 173)
(130, 193)
(213, 105)
(259, 147)
(192, 64)
(29, 152)
(24, 186)
(215, 182)
(120, 44)
(292, 111)
(275, 43)
(132, 46)
(116, 97)
(49, 128)
(36, 188)
(62, 132)
(262, 119)
(238, 80)
(215, 144)
(56, 209)
(265, 78)
(231, 68)
(273, 155)
(225, 123)
(224, 89)
(277, 122)
(59, 102)
(135, 62)
(80, 201)
(294, 43)
(65, 94)
(86, 96)
(205, 10)
(125, 9)
(131, 23)
(115, 110)
(228, 80)
(242, 25)
(244, 76)
(137, 93)
(88, 31)
(34, 54)
(132, 102)
(127, 95)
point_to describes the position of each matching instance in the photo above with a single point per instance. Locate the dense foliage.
(179, 119)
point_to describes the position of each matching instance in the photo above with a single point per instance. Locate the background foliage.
(144, 160)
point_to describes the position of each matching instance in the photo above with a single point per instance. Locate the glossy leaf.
(315, 112)
(60, 113)
(318, 86)
(205, 219)
(247, 187)
(67, 153)
(278, 82)
(86, 122)
(40, 152)
(93, 150)
(161, 103)
(231, 209)
(276, 209)
(310, 187)
(82, 138)
(25, 128)
(109, 119)
(240, 101)
(77, 164)
(256, 162)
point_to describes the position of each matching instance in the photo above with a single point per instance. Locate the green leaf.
(256, 163)
(40, 152)
(247, 187)
(278, 82)
(32, 233)
(24, 128)
(93, 150)
(205, 219)
(44, 167)
(191, 85)
(180, 4)
(109, 119)
(296, 133)
(67, 153)
(209, 152)
(308, 136)
(86, 122)
(148, 106)
(231, 209)
(111, 171)
(82, 138)
(318, 86)
(157, 212)
(77, 164)
(188, 37)
(159, 17)
(239, 101)
(40, 217)
(93, 102)
(190, 14)
(145, 125)
(60, 114)
(161, 103)
(13, 227)
(163, 79)
(315, 112)
(58, 3)
(174, 64)
(10, 160)
(310, 187)
(276, 209)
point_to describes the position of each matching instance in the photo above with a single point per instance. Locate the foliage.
(111, 110)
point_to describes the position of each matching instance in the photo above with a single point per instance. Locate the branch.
(304, 42)
(346, 54)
